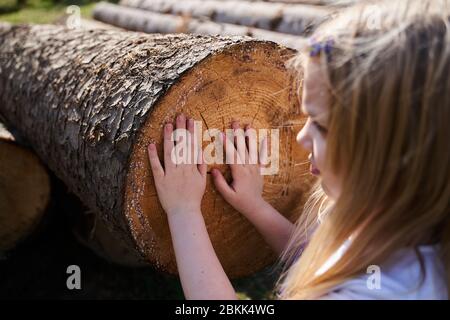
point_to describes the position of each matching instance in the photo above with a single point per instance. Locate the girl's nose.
(303, 138)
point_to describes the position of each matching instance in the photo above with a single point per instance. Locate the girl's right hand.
(245, 191)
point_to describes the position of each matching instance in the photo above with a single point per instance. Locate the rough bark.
(297, 19)
(24, 191)
(334, 3)
(151, 22)
(90, 101)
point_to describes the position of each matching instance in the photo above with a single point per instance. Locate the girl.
(376, 91)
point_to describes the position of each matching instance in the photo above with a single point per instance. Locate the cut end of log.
(248, 82)
(119, 90)
(24, 192)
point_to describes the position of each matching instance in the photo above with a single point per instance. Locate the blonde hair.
(388, 138)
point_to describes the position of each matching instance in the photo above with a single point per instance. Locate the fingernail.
(151, 146)
(168, 126)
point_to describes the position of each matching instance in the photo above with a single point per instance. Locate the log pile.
(150, 22)
(278, 17)
(90, 101)
(285, 22)
(24, 191)
(330, 3)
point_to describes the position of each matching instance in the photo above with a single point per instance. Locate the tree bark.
(297, 19)
(24, 191)
(151, 22)
(334, 3)
(90, 101)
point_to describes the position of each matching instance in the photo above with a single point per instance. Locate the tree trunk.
(334, 3)
(151, 22)
(90, 101)
(24, 191)
(295, 19)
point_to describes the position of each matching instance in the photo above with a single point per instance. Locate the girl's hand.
(180, 187)
(180, 190)
(245, 191)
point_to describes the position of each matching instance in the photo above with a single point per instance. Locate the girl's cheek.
(330, 182)
(319, 153)
(332, 186)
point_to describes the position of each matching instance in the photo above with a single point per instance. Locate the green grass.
(41, 11)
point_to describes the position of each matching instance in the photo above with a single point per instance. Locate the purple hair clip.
(316, 47)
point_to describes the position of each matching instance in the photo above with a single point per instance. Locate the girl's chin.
(327, 190)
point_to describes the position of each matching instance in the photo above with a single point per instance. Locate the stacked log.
(90, 101)
(333, 3)
(294, 19)
(24, 191)
(151, 22)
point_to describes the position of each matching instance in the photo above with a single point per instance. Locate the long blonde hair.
(388, 138)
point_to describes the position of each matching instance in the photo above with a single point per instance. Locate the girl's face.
(316, 102)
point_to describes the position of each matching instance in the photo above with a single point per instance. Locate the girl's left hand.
(180, 187)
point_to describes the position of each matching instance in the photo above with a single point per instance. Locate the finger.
(190, 125)
(191, 141)
(230, 150)
(239, 142)
(221, 185)
(202, 166)
(169, 162)
(155, 164)
(251, 141)
(235, 125)
(181, 136)
(263, 152)
(181, 121)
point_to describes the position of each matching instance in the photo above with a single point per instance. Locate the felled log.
(294, 19)
(328, 3)
(151, 22)
(92, 24)
(85, 24)
(336, 3)
(90, 102)
(24, 191)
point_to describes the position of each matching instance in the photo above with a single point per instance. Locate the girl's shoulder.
(403, 276)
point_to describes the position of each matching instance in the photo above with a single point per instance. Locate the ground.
(37, 268)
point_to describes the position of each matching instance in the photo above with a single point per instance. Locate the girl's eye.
(321, 129)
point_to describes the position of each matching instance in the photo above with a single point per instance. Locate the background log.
(295, 19)
(90, 101)
(24, 191)
(334, 3)
(151, 22)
